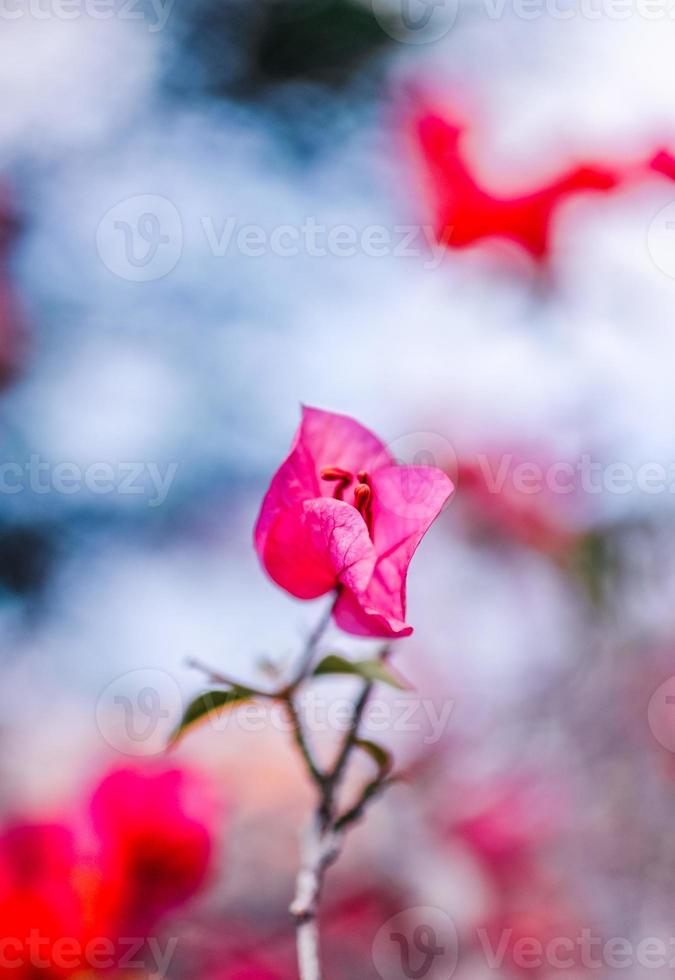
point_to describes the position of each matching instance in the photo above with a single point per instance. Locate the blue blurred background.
(150, 333)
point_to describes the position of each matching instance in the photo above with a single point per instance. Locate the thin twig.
(351, 737)
(310, 647)
(315, 773)
(370, 791)
(215, 677)
(352, 734)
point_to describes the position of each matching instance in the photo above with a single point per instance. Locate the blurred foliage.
(241, 49)
(596, 561)
(370, 670)
(26, 556)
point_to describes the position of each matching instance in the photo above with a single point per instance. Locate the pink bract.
(341, 514)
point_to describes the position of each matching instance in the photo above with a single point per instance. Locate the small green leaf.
(370, 670)
(208, 703)
(381, 757)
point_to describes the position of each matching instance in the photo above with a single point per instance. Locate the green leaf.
(209, 703)
(370, 670)
(382, 758)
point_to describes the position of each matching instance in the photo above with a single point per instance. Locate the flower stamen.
(341, 478)
(363, 497)
(335, 473)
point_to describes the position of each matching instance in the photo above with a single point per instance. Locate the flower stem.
(311, 645)
(323, 837)
(301, 742)
(320, 848)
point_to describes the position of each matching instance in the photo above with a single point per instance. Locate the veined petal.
(353, 614)
(338, 440)
(316, 545)
(323, 439)
(295, 481)
(406, 500)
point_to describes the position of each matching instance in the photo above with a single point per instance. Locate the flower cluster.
(85, 894)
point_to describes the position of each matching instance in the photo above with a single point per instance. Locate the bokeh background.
(140, 334)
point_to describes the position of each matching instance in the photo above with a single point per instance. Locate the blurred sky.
(204, 368)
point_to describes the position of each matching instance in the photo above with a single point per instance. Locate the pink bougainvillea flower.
(341, 514)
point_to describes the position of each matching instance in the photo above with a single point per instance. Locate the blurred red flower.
(41, 910)
(61, 904)
(341, 514)
(466, 212)
(155, 828)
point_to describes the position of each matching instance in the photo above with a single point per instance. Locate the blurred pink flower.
(465, 212)
(539, 918)
(155, 828)
(663, 162)
(341, 514)
(40, 906)
(541, 519)
(245, 969)
(12, 321)
(505, 825)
